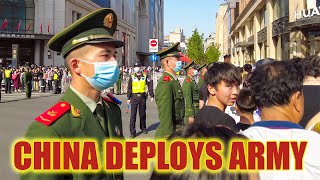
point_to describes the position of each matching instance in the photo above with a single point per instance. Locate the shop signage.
(25, 36)
(307, 13)
(19, 36)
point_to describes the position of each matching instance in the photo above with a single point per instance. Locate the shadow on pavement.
(21, 99)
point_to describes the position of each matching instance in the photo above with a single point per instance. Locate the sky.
(189, 14)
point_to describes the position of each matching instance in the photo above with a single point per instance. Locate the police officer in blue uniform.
(137, 97)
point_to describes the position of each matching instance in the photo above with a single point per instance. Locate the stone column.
(256, 29)
(270, 43)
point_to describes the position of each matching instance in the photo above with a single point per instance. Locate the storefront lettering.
(20, 36)
(307, 13)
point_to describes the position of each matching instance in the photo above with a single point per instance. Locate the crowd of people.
(41, 79)
(283, 94)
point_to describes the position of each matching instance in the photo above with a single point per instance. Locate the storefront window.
(19, 15)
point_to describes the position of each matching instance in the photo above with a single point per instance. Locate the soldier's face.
(101, 52)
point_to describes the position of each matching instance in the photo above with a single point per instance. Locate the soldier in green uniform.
(119, 82)
(28, 82)
(191, 93)
(202, 70)
(88, 47)
(169, 95)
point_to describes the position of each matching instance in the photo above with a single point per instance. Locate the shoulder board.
(53, 114)
(167, 78)
(188, 80)
(112, 99)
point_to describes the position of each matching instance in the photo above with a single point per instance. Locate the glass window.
(19, 15)
(102, 3)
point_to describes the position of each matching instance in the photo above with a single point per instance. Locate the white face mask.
(195, 73)
(136, 69)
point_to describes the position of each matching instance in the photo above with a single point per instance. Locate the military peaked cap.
(190, 65)
(202, 66)
(172, 51)
(96, 27)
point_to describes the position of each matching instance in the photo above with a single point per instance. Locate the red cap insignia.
(54, 113)
(166, 78)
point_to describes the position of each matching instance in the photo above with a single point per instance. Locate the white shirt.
(311, 160)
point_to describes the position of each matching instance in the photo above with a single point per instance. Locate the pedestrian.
(137, 97)
(246, 75)
(1, 78)
(168, 94)
(88, 47)
(8, 76)
(245, 108)
(56, 79)
(194, 132)
(22, 78)
(119, 82)
(16, 80)
(28, 82)
(223, 80)
(49, 78)
(278, 93)
(191, 93)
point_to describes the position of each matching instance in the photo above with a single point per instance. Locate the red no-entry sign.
(153, 45)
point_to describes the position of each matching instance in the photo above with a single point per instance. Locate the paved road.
(17, 112)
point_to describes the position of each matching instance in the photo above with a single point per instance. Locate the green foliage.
(212, 53)
(195, 49)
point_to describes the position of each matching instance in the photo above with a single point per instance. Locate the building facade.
(149, 26)
(278, 29)
(27, 25)
(222, 31)
(209, 41)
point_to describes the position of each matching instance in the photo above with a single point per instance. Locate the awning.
(143, 53)
(305, 23)
(243, 44)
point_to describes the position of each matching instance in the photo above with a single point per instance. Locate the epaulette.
(167, 78)
(112, 99)
(188, 80)
(53, 114)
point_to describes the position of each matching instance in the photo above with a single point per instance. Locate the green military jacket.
(27, 77)
(170, 103)
(78, 122)
(191, 96)
(201, 80)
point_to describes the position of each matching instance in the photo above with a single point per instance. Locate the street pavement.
(17, 113)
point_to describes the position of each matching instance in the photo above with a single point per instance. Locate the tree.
(212, 53)
(195, 50)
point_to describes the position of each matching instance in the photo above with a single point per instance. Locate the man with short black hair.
(278, 93)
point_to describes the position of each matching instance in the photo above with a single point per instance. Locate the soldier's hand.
(191, 120)
(152, 99)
